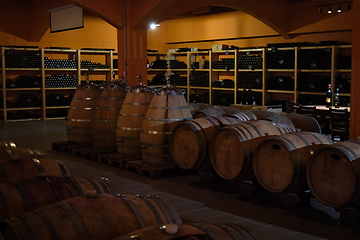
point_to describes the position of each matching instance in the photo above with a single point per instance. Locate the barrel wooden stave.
(333, 174)
(190, 231)
(233, 147)
(129, 122)
(195, 107)
(303, 122)
(210, 112)
(280, 162)
(261, 114)
(104, 216)
(163, 115)
(105, 117)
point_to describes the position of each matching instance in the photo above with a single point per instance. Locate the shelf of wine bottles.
(16, 59)
(85, 64)
(22, 115)
(60, 81)
(306, 99)
(343, 61)
(223, 99)
(225, 83)
(55, 99)
(20, 46)
(176, 64)
(158, 64)
(253, 78)
(158, 79)
(199, 98)
(314, 58)
(177, 80)
(115, 63)
(196, 65)
(24, 81)
(343, 82)
(280, 83)
(199, 79)
(224, 63)
(280, 59)
(251, 62)
(247, 98)
(344, 101)
(59, 63)
(98, 49)
(59, 113)
(25, 100)
(310, 82)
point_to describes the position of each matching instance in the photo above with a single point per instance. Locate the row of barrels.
(56, 205)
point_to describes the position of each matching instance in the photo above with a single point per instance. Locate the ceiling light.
(339, 9)
(153, 25)
(329, 10)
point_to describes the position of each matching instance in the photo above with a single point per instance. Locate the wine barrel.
(18, 163)
(194, 107)
(223, 231)
(283, 121)
(244, 116)
(102, 216)
(210, 112)
(333, 174)
(130, 120)
(105, 116)
(261, 114)
(190, 140)
(233, 146)
(303, 122)
(80, 114)
(280, 162)
(167, 109)
(17, 197)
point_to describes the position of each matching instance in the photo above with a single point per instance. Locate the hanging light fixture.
(339, 9)
(329, 10)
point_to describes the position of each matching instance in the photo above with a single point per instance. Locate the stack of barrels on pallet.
(51, 202)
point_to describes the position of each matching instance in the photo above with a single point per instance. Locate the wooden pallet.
(89, 152)
(115, 159)
(153, 172)
(65, 146)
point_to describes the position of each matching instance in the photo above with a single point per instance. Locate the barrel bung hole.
(275, 147)
(335, 156)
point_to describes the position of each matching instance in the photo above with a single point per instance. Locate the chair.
(308, 110)
(289, 107)
(339, 123)
(312, 112)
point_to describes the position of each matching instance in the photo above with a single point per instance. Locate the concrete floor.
(194, 199)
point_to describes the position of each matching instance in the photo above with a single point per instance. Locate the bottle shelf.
(23, 89)
(71, 88)
(250, 70)
(157, 70)
(204, 88)
(223, 70)
(280, 91)
(24, 108)
(61, 69)
(343, 70)
(56, 118)
(58, 107)
(223, 89)
(315, 70)
(312, 93)
(22, 69)
(281, 70)
(253, 89)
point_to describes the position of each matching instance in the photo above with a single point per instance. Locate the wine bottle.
(328, 96)
(244, 96)
(336, 98)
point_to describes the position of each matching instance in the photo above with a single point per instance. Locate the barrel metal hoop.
(24, 196)
(75, 219)
(174, 213)
(32, 226)
(243, 231)
(155, 132)
(206, 230)
(154, 211)
(62, 164)
(348, 150)
(136, 104)
(315, 136)
(132, 115)
(38, 165)
(103, 120)
(135, 209)
(18, 227)
(85, 108)
(108, 98)
(230, 230)
(95, 186)
(163, 208)
(48, 223)
(255, 128)
(128, 128)
(77, 186)
(103, 185)
(107, 108)
(4, 205)
(169, 108)
(168, 119)
(240, 132)
(109, 185)
(79, 120)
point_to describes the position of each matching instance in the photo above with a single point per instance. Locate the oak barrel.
(206, 231)
(105, 117)
(280, 162)
(303, 122)
(333, 174)
(210, 112)
(262, 114)
(21, 196)
(168, 108)
(130, 120)
(283, 121)
(80, 114)
(102, 216)
(233, 146)
(244, 116)
(19, 163)
(194, 107)
(190, 140)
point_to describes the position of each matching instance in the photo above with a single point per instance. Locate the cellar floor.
(193, 198)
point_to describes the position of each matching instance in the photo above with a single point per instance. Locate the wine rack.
(38, 83)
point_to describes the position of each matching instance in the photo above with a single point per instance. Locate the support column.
(355, 74)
